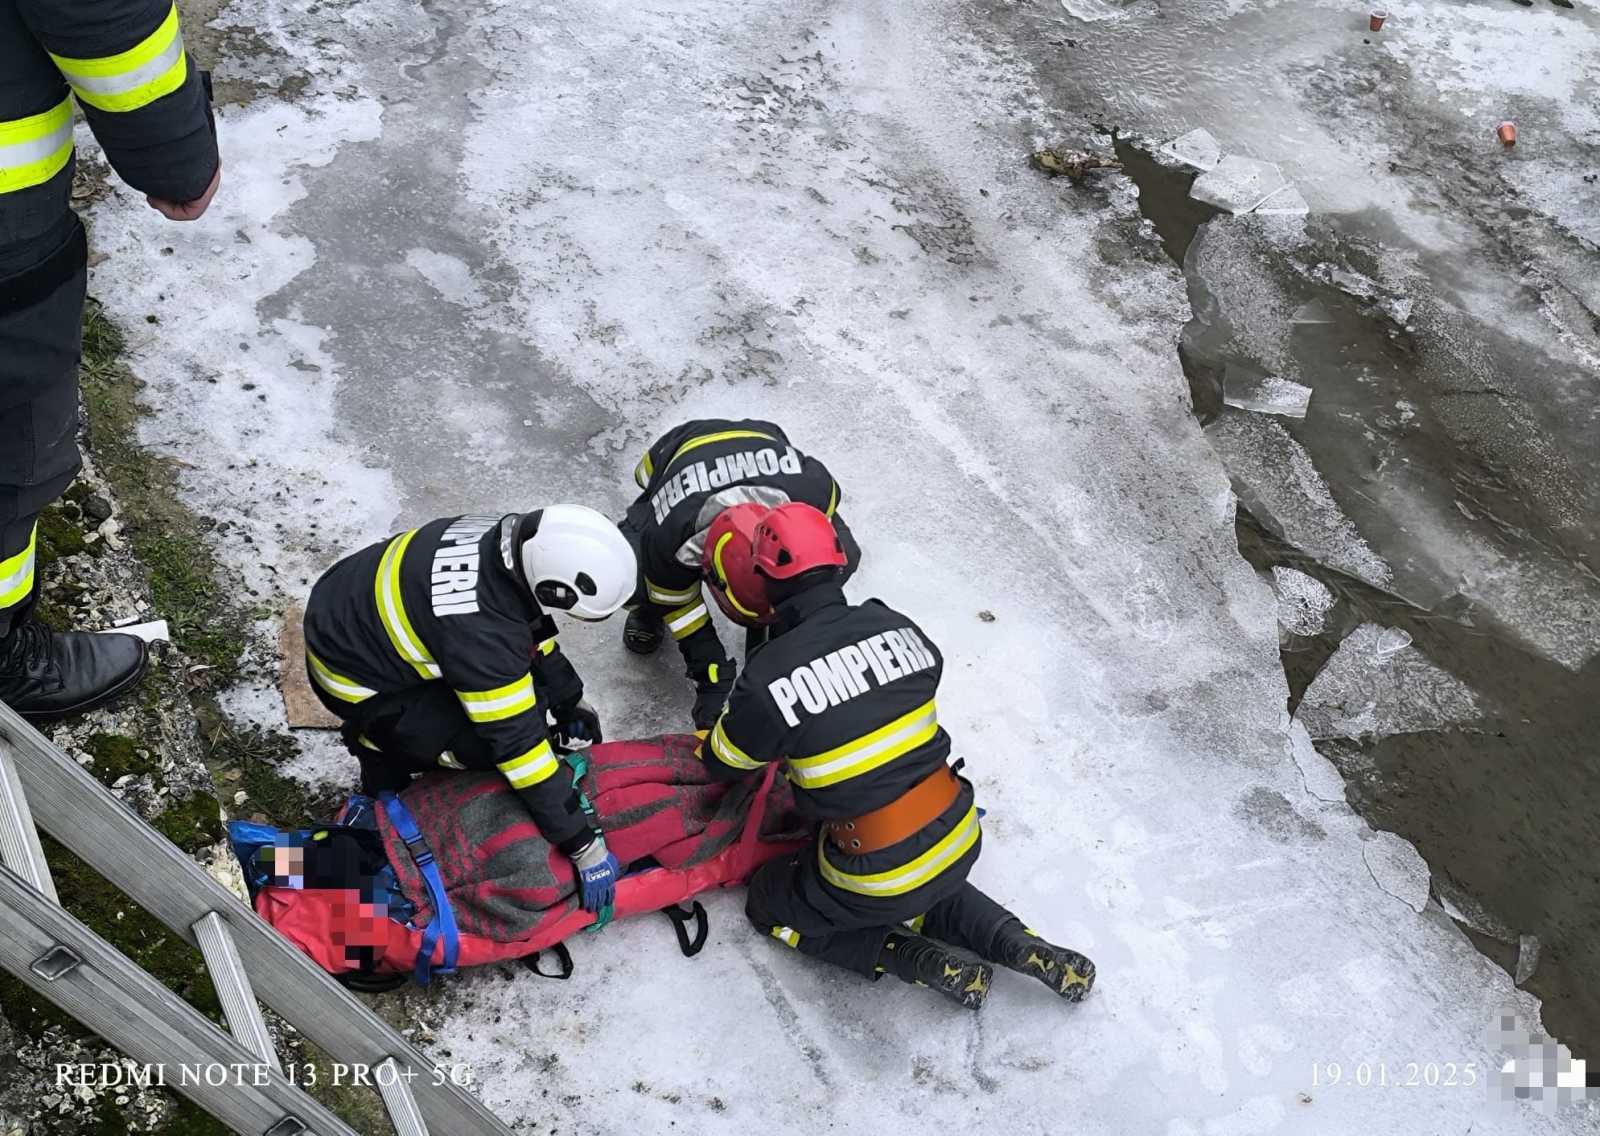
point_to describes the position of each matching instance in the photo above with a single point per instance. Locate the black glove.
(711, 691)
(576, 726)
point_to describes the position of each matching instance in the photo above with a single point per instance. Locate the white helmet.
(576, 561)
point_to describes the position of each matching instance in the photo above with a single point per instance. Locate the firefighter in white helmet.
(436, 648)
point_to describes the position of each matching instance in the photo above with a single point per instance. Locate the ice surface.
(1237, 184)
(1399, 869)
(1277, 479)
(1197, 149)
(1265, 394)
(1285, 202)
(1303, 601)
(606, 218)
(1376, 684)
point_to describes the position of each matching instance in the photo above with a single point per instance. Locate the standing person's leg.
(43, 674)
(970, 919)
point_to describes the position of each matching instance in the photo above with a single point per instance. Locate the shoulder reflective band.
(392, 610)
(131, 79)
(500, 703)
(642, 471)
(16, 572)
(867, 752)
(34, 149)
(720, 436)
(908, 877)
(344, 689)
(443, 924)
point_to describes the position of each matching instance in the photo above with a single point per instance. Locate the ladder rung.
(232, 981)
(19, 839)
(398, 1099)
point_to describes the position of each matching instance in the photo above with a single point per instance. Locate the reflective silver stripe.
(127, 80)
(37, 149)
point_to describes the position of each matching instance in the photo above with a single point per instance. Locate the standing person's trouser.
(790, 901)
(40, 340)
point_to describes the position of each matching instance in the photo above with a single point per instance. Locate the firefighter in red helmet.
(844, 695)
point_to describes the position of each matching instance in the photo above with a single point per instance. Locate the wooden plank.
(301, 706)
(133, 1012)
(82, 814)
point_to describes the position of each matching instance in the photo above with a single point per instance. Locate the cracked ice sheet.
(691, 209)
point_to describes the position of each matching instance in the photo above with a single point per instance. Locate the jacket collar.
(798, 608)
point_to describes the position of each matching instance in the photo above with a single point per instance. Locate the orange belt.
(906, 815)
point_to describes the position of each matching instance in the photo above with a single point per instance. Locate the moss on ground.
(165, 536)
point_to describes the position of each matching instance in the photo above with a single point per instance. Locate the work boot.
(1068, 973)
(50, 674)
(923, 962)
(643, 631)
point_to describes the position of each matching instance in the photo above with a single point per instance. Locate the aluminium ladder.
(64, 961)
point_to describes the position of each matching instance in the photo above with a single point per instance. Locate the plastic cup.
(1376, 17)
(1507, 133)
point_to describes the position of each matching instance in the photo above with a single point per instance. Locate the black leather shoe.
(922, 962)
(1068, 973)
(49, 674)
(643, 631)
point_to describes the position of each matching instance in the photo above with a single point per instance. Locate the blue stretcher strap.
(443, 923)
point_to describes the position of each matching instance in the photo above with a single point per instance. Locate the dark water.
(1505, 809)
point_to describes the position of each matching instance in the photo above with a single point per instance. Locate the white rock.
(154, 631)
(1197, 149)
(1238, 185)
(1399, 869)
(1266, 394)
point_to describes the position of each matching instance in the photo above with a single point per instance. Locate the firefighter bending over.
(435, 647)
(844, 695)
(691, 474)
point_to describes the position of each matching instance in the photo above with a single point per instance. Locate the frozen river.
(475, 257)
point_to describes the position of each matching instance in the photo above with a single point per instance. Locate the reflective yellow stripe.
(833, 500)
(537, 765)
(686, 620)
(716, 560)
(721, 436)
(916, 924)
(908, 877)
(392, 610)
(34, 149)
(153, 67)
(728, 753)
(867, 752)
(787, 935)
(345, 689)
(548, 645)
(16, 572)
(500, 703)
(670, 597)
(642, 471)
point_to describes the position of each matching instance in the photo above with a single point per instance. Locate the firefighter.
(146, 103)
(686, 478)
(436, 648)
(843, 694)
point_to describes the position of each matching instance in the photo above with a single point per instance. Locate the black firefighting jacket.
(127, 70)
(843, 694)
(447, 603)
(690, 475)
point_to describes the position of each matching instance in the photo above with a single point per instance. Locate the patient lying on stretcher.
(453, 873)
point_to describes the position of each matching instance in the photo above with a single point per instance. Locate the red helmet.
(727, 564)
(796, 538)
